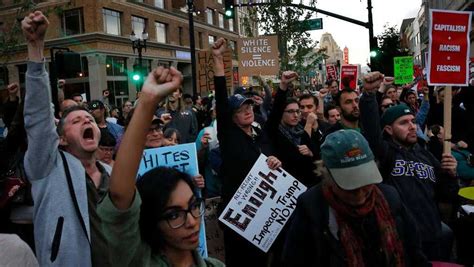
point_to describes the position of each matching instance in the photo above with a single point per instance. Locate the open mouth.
(88, 134)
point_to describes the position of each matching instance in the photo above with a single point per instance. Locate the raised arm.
(224, 116)
(370, 119)
(39, 119)
(159, 83)
(280, 98)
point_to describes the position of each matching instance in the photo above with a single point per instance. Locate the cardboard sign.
(205, 71)
(258, 56)
(348, 77)
(449, 48)
(263, 204)
(403, 69)
(181, 157)
(214, 234)
(331, 72)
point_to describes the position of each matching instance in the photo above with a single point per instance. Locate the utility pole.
(192, 45)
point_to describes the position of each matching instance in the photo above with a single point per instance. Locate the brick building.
(100, 32)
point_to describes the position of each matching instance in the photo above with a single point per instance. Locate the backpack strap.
(72, 193)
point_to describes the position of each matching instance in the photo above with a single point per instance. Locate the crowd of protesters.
(381, 191)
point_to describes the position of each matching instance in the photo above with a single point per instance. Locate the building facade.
(333, 52)
(100, 31)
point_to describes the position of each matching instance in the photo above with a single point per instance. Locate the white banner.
(262, 204)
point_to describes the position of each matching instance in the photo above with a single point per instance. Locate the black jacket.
(239, 151)
(310, 241)
(299, 166)
(414, 172)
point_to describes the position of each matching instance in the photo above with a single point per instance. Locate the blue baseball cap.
(349, 159)
(237, 100)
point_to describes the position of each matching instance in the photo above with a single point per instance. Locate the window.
(138, 26)
(160, 32)
(233, 46)
(3, 76)
(221, 20)
(180, 35)
(118, 92)
(200, 40)
(159, 4)
(231, 25)
(219, 1)
(72, 22)
(210, 16)
(116, 66)
(111, 21)
(212, 40)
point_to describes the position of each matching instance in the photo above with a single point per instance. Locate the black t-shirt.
(100, 248)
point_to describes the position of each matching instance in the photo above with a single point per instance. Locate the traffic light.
(138, 76)
(229, 9)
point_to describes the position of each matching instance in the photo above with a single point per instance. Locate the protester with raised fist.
(291, 141)
(156, 223)
(67, 183)
(240, 145)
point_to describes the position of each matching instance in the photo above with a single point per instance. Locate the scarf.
(293, 134)
(352, 244)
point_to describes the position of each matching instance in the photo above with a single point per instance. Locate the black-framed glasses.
(293, 111)
(177, 218)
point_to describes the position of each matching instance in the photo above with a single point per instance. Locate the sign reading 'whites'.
(449, 48)
(263, 204)
(403, 69)
(258, 56)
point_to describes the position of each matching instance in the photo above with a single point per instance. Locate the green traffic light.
(136, 77)
(228, 13)
(373, 53)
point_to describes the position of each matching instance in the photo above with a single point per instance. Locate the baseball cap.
(395, 112)
(95, 104)
(349, 159)
(237, 100)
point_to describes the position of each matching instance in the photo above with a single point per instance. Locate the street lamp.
(138, 44)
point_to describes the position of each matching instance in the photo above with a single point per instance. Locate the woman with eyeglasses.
(292, 144)
(157, 222)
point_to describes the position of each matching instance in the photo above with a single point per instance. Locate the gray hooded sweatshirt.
(59, 237)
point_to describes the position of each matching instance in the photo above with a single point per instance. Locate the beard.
(349, 116)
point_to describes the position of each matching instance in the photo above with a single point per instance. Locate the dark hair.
(186, 96)
(327, 109)
(339, 94)
(76, 94)
(291, 100)
(155, 188)
(107, 139)
(435, 129)
(309, 96)
(330, 81)
(170, 131)
(66, 112)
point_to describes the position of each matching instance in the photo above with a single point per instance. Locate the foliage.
(295, 44)
(389, 46)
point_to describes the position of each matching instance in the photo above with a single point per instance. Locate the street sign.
(449, 48)
(312, 24)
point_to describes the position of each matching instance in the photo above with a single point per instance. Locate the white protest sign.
(263, 204)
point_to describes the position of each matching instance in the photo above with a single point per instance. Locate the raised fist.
(34, 27)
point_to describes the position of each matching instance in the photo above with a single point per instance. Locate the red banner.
(348, 77)
(449, 48)
(331, 72)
